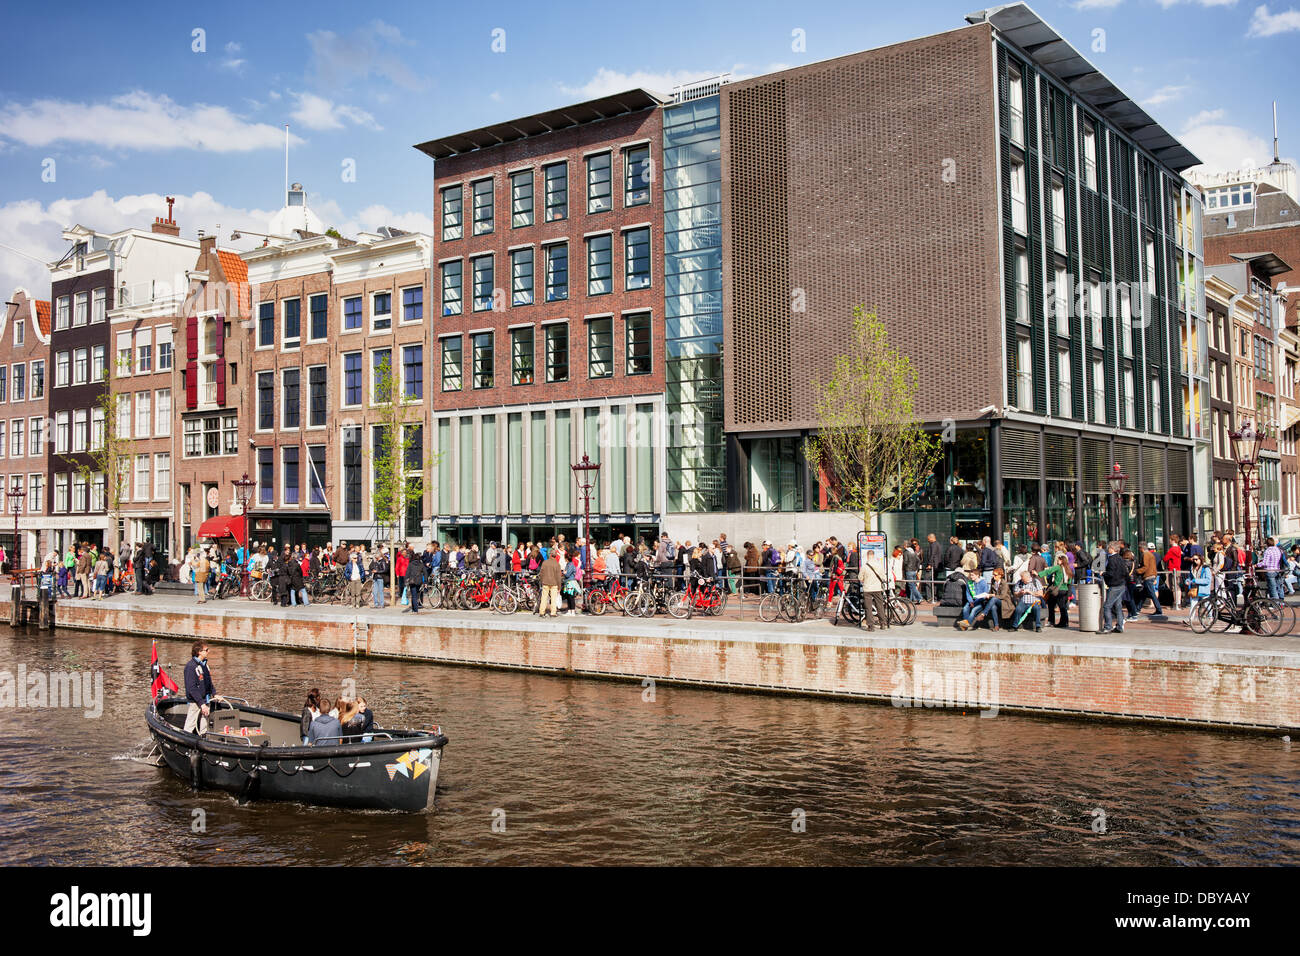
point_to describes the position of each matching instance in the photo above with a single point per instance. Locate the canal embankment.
(1156, 673)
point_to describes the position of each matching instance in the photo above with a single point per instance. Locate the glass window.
(381, 375)
(290, 457)
(452, 224)
(62, 369)
(292, 322)
(318, 305)
(482, 267)
(557, 191)
(35, 437)
(413, 371)
(600, 348)
(483, 212)
(4, 379)
(413, 304)
(316, 396)
(292, 413)
(80, 366)
(483, 360)
(162, 476)
(381, 316)
(163, 412)
(636, 176)
(316, 474)
(165, 353)
(521, 277)
(266, 476)
(265, 401)
(451, 364)
(521, 356)
(600, 255)
(81, 304)
(20, 382)
(266, 324)
(1019, 218)
(143, 414)
(63, 316)
(638, 344)
(352, 378)
(598, 183)
(521, 198)
(144, 354)
(352, 313)
(636, 256)
(557, 272)
(99, 306)
(451, 282)
(557, 353)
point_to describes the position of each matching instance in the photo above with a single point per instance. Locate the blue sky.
(128, 110)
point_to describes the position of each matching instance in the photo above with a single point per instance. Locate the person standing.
(1115, 578)
(1150, 572)
(911, 572)
(199, 691)
(1056, 585)
(933, 566)
(551, 578)
(1174, 565)
(378, 575)
(415, 577)
(1272, 565)
(872, 578)
(201, 569)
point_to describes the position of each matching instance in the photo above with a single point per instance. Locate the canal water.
(595, 772)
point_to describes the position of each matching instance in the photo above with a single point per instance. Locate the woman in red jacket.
(399, 569)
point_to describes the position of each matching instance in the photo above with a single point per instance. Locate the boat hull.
(398, 773)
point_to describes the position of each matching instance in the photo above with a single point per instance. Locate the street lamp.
(586, 481)
(1117, 481)
(245, 486)
(1245, 451)
(16, 495)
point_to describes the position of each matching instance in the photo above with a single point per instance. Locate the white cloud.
(316, 112)
(607, 81)
(1166, 94)
(1097, 4)
(335, 59)
(1265, 24)
(136, 120)
(1200, 3)
(1222, 147)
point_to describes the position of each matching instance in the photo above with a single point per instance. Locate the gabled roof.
(235, 270)
(1026, 30)
(43, 318)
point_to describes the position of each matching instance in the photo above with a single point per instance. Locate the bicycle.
(1219, 612)
(707, 598)
(788, 601)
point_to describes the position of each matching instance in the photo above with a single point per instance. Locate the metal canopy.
(1025, 29)
(1267, 263)
(538, 124)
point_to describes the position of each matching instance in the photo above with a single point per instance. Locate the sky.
(107, 108)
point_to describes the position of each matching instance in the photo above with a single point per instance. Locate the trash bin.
(1088, 603)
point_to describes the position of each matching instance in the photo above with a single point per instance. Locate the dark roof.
(1266, 263)
(1025, 29)
(549, 121)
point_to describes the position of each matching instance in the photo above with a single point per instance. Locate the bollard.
(15, 604)
(47, 610)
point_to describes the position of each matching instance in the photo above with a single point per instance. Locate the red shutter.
(192, 363)
(220, 370)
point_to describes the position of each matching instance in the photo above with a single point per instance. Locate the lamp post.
(1245, 451)
(244, 492)
(1117, 481)
(583, 472)
(16, 496)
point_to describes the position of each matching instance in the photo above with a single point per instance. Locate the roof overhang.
(1266, 263)
(1027, 31)
(592, 111)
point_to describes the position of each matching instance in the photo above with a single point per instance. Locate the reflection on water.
(591, 772)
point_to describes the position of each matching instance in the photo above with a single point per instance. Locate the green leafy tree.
(397, 417)
(869, 446)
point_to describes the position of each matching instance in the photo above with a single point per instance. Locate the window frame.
(594, 325)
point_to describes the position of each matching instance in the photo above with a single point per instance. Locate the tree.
(397, 417)
(110, 454)
(869, 445)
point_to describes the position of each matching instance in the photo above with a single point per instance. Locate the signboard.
(873, 541)
(214, 497)
(263, 524)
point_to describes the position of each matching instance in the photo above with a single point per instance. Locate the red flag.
(160, 678)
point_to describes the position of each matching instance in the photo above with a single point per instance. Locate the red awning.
(223, 526)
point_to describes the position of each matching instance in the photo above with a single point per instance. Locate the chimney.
(206, 243)
(167, 227)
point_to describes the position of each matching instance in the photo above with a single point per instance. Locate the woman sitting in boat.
(324, 728)
(310, 711)
(367, 719)
(351, 719)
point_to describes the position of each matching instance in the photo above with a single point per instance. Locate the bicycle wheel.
(902, 612)
(504, 601)
(595, 601)
(679, 605)
(769, 608)
(1202, 616)
(791, 607)
(1224, 615)
(1263, 616)
(638, 602)
(259, 591)
(721, 604)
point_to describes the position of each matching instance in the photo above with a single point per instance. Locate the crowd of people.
(86, 570)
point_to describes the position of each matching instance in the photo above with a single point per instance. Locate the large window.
(99, 306)
(521, 198)
(352, 473)
(483, 360)
(316, 396)
(521, 356)
(557, 191)
(598, 183)
(452, 222)
(289, 455)
(98, 363)
(265, 324)
(63, 315)
(557, 352)
(211, 435)
(291, 415)
(483, 212)
(638, 343)
(636, 176)
(352, 378)
(521, 277)
(451, 286)
(382, 375)
(600, 265)
(80, 307)
(600, 348)
(482, 270)
(1019, 218)
(636, 257)
(80, 366)
(265, 401)
(413, 371)
(319, 307)
(451, 363)
(143, 414)
(316, 474)
(352, 313)
(266, 476)
(163, 413)
(292, 323)
(557, 272)
(62, 371)
(381, 312)
(162, 476)
(413, 304)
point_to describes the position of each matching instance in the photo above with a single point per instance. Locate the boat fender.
(196, 770)
(249, 791)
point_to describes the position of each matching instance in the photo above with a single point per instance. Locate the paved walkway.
(1145, 639)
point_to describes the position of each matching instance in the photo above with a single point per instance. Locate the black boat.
(259, 755)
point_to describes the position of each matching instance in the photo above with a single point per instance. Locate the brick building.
(24, 406)
(550, 328)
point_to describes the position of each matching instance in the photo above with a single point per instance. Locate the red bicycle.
(706, 598)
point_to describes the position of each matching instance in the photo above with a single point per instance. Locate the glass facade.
(692, 174)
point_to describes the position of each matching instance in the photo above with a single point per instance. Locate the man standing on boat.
(199, 690)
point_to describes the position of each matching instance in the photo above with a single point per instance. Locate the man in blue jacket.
(198, 689)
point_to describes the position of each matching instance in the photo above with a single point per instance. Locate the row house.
(24, 357)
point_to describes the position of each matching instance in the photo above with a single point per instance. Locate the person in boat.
(367, 719)
(351, 720)
(325, 727)
(199, 690)
(310, 711)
